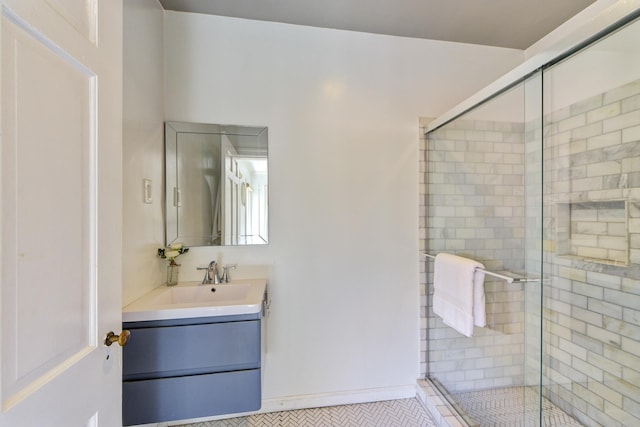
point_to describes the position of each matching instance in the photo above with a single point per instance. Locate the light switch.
(147, 190)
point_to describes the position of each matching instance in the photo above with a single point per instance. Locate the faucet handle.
(205, 280)
(225, 272)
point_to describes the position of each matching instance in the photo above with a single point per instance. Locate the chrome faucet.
(211, 273)
(225, 272)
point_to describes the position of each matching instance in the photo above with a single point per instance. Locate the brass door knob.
(121, 339)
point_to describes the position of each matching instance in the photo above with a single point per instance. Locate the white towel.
(458, 295)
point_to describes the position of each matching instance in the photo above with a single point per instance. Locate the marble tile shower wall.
(592, 302)
(475, 208)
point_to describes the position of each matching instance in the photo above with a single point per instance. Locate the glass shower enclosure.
(541, 183)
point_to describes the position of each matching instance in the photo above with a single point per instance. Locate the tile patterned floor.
(511, 407)
(393, 413)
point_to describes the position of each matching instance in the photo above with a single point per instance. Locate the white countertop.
(192, 299)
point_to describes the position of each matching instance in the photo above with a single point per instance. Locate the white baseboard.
(305, 401)
(338, 398)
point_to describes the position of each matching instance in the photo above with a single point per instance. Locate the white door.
(61, 208)
(231, 188)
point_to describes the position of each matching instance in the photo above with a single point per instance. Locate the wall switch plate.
(146, 183)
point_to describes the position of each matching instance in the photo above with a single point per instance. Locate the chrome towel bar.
(509, 279)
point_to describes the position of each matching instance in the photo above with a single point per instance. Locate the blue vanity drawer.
(167, 399)
(173, 351)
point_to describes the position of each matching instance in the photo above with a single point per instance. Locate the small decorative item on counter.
(173, 268)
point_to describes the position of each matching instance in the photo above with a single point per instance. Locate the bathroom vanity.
(190, 357)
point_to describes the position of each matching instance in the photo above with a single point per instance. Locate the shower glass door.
(592, 231)
(542, 183)
(484, 203)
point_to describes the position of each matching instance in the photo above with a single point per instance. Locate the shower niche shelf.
(594, 231)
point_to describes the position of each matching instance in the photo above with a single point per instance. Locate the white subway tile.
(571, 122)
(623, 121)
(631, 134)
(587, 131)
(622, 92)
(604, 168)
(604, 112)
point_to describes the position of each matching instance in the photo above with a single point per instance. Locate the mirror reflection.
(216, 190)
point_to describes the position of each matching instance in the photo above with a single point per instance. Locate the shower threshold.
(507, 406)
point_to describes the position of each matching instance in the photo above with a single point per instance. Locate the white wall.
(342, 110)
(143, 148)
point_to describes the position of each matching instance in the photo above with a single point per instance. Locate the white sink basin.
(195, 300)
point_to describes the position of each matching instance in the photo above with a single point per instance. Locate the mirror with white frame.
(216, 184)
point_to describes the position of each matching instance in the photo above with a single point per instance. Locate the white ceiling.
(506, 23)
